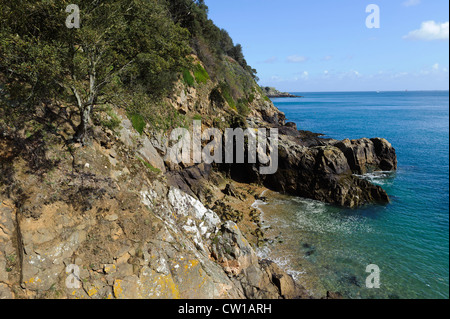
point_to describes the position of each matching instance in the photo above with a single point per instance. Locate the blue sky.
(324, 45)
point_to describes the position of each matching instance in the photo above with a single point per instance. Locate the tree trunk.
(82, 130)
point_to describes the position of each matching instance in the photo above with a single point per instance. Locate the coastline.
(264, 236)
(306, 275)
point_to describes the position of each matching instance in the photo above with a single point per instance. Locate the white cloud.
(435, 66)
(429, 30)
(296, 59)
(327, 58)
(410, 3)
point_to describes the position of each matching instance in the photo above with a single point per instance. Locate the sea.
(394, 251)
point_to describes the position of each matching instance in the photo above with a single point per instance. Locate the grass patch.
(200, 74)
(137, 121)
(149, 166)
(226, 93)
(188, 78)
(197, 117)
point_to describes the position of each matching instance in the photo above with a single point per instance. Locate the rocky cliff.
(113, 216)
(100, 224)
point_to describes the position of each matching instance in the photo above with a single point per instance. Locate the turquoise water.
(409, 238)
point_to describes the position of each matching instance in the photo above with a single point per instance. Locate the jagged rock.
(323, 169)
(141, 144)
(191, 180)
(366, 155)
(151, 155)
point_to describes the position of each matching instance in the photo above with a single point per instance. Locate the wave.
(378, 178)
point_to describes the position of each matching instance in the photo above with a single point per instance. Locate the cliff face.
(101, 224)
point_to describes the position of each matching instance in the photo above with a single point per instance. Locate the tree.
(120, 43)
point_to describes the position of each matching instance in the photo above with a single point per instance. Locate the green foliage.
(137, 121)
(226, 93)
(188, 78)
(251, 98)
(149, 166)
(127, 53)
(242, 107)
(197, 117)
(201, 76)
(121, 44)
(216, 97)
(193, 15)
(157, 113)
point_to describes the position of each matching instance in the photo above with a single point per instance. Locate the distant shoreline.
(272, 92)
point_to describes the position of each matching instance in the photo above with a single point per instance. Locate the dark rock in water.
(351, 279)
(324, 169)
(291, 125)
(310, 252)
(366, 155)
(272, 92)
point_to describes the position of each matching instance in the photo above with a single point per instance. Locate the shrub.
(226, 93)
(216, 97)
(242, 107)
(251, 98)
(113, 122)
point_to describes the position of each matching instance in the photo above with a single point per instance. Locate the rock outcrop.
(272, 92)
(326, 169)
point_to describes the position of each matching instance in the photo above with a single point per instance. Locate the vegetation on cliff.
(126, 53)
